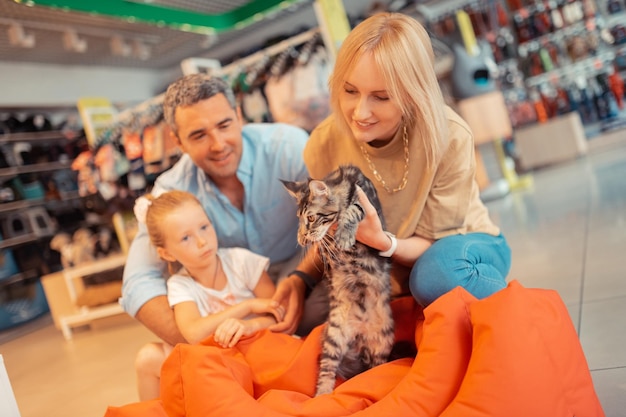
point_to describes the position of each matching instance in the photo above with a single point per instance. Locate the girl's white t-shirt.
(243, 270)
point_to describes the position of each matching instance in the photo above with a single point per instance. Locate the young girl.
(221, 292)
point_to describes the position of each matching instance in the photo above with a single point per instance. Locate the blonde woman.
(389, 118)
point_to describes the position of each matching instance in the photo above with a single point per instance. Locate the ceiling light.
(120, 47)
(200, 66)
(141, 50)
(71, 42)
(208, 41)
(17, 36)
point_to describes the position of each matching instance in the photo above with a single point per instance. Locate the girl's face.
(190, 237)
(365, 103)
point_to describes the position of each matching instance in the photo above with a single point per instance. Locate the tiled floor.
(568, 233)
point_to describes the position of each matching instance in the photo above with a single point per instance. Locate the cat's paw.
(344, 240)
(324, 388)
(345, 244)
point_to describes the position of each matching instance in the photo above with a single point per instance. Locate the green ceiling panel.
(178, 19)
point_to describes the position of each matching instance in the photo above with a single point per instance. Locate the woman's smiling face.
(365, 103)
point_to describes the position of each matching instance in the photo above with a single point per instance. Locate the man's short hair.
(191, 89)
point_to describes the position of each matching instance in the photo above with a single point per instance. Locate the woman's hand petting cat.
(290, 295)
(370, 231)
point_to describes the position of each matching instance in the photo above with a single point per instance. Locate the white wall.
(25, 84)
(38, 85)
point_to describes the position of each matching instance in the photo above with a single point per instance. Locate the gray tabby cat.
(360, 330)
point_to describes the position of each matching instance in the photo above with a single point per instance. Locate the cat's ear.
(294, 188)
(318, 188)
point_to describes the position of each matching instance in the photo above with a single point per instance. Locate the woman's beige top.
(435, 203)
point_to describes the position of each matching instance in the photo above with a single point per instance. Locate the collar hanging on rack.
(307, 49)
(256, 70)
(282, 64)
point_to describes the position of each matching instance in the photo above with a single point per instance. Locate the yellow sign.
(334, 23)
(97, 114)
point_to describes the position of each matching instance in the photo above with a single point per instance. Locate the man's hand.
(289, 294)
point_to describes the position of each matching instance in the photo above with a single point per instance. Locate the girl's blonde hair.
(158, 209)
(404, 55)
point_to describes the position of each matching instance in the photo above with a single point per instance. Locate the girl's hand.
(230, 331)
(370, 231)
(267, 306)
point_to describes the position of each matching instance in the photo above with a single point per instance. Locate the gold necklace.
(405, 140)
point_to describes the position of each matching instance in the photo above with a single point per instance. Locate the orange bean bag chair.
(515, 353)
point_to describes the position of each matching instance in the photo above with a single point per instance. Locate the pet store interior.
(81, 138)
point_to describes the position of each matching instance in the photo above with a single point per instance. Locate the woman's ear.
(165, 255)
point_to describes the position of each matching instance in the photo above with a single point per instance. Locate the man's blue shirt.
(268, 224)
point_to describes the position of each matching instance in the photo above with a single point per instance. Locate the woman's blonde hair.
(158, 209)
(404, 55)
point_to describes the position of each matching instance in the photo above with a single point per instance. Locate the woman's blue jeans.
(477, 262)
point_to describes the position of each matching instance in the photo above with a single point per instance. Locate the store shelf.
(63, 289)
(33, 168)
(20, 204)
(66, 199)
(588, 67)
(20, 277)
(557, 35)
(47, 136)
(22, 239)
(436, 9)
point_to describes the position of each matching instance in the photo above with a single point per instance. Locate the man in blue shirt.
(234, 170)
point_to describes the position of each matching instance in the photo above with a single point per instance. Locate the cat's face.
(317, 209)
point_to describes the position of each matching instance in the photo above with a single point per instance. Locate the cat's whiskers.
(330, 247)
(329, 256)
